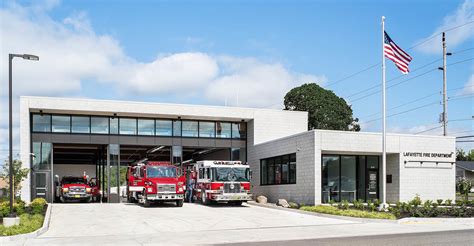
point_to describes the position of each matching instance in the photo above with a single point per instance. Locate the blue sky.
(242, 53)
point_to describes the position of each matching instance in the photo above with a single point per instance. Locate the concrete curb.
(353, 219)
(43, 229)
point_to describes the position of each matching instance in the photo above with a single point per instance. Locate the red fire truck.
(222, 181)
(150, 182)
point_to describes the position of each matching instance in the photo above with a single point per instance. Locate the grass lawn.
(349, 212)
(28, 223)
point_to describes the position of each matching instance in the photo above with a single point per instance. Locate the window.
(61, 123)
(177, 128)
(114, 126)
(223, 130)
(207, 129)
(349, 177)
(239, 130)
(80, 124)
(128, 126)
(99, 125)
(330, 173)
(164, 128)
(41, 123)
(190, 128)
(42, 156)
(278, 170)
(146, 127)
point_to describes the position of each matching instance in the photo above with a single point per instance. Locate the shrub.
(464, 186)
(18, 208)
(28, 223)
(427, 204)
(349, 212)
(331, 202)
(358, 204)
(344, 205)
(377, 202)
(439, 201)
(4, 209)
(37, 205)
(416, 201)
(294, 205)
(448, 202)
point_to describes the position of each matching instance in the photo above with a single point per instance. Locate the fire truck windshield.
(160, 172)
(230, 174)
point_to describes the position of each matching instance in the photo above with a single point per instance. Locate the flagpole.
(384, 137)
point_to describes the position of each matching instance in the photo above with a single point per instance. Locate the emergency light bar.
(228, 162)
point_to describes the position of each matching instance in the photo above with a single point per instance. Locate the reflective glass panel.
(190, 129)
(223, 130)
(348, 178)
(146, 127)
(207, 129)
(99, 125)
(239, 130)
(41, 123)
(177, 128)
(263, 175)
(128, 126)
(61, 123)
(330, 175)
(80, 124)
(164, 128)
(114, 126)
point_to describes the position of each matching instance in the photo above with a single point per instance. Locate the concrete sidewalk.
(130, 224)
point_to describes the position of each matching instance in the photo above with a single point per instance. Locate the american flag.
(396, 54)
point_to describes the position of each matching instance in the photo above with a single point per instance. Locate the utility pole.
(445, 100)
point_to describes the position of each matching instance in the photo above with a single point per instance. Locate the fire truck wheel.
(204, 199)
(179, 203)
(147, 203)
(237, 203)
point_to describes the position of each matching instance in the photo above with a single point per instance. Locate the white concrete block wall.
(393, 168)
(262, 124)
(429, 180)
(304, 189)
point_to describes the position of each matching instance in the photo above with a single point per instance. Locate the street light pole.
(10, 124)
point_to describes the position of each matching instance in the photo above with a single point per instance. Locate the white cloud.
(469, 87)
(463, 14)
(72, 52)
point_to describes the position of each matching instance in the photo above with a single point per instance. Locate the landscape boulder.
(283, 203)
(262, 199)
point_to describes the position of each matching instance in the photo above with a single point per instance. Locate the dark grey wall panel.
(238, 144)
(192, 142)
(128, 140)
(164, 141)
(146, 140)
(96, 139)
(223, 143)
(207, 142)
(39, 137)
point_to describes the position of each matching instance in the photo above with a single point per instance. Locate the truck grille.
(232, 188)
(77, 189)
(166, 188)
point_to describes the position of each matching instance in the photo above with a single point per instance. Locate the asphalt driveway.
(131, 224)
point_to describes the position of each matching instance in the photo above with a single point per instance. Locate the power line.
(404, 81)
(439, 33)
(431, 129)
(352, 75)
(406, 111)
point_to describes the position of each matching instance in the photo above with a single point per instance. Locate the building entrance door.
(372, 185)
(41, 185)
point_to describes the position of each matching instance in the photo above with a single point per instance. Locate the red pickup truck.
(75, 189)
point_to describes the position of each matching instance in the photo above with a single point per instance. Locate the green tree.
(19, 174)
(460, 155)
(326, 110)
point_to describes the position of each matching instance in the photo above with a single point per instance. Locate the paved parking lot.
(131, 224)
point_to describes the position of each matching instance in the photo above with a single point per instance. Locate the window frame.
(275, 161)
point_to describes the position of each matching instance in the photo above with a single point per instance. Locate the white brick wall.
(263, 124)
(430, 182)
(304, 189)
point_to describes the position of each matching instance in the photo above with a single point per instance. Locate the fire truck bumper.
(165, 197)
(231, 197)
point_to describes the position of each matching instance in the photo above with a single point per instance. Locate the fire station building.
(100, 138)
